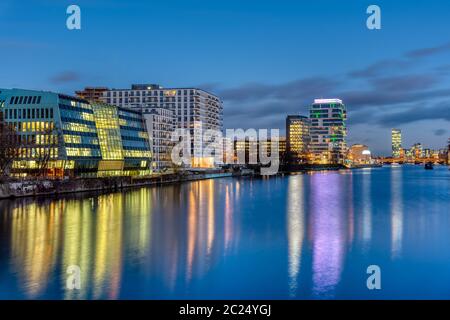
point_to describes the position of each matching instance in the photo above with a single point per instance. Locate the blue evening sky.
(265, 59)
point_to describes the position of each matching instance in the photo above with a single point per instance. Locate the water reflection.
(328, 217)
(35, 239)
(310, 235)
(295, 229)
(366, 208)
(396, 213)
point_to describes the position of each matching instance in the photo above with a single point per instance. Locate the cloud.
(21, 44)
(418, 112)
(405, 83)
(65, 77)
(440, 132)
(380, 67)
(297, 89)
(426, 52)
(388, 93)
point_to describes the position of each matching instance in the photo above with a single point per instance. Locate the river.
(306, 236)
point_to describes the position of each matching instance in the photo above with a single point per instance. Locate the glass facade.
(59, 135)
(80, 139)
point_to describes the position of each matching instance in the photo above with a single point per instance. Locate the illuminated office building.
(60, 135)
(297, 139)
(123, 140)
(192, 109)
(328, 131)
(396, 143)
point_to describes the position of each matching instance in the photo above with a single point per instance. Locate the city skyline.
(386, 80)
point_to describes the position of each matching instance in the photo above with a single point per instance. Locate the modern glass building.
(123, 140)
(60, 135)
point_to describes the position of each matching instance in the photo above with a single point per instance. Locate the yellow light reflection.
(295, 228)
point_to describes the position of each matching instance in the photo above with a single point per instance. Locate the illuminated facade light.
(327, 101)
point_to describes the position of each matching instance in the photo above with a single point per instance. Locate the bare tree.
(43, 146)
(9, 142)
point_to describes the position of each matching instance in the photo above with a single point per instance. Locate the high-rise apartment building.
(193, 109)
(59, 135)
(297, 139)
(328, 131)
(396, 143)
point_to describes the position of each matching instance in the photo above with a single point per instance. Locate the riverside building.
(297, 139)
(328, 131)
(58, 135)
(192, 109)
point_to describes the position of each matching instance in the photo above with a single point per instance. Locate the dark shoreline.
(47, 187)
(39, 188)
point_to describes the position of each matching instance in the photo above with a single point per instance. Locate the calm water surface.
(305, 236)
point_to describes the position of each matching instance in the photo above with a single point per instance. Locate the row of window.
(42, 113)
(25, 100)
(146, 93)
(32, 126)
(78, 121)
(76, 108)
(38, 153)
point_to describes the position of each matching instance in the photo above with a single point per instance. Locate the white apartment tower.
(189, 108)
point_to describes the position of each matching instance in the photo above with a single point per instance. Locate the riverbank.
(42, 187)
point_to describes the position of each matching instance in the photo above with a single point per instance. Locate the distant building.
(417, 151)
(297, 139)
(193, 109)
(328, 131)
(92, 93)
(359, 154)
(60, 135)
(396, 138)
(448, 151)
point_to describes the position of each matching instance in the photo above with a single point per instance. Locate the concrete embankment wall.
(46, 187)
